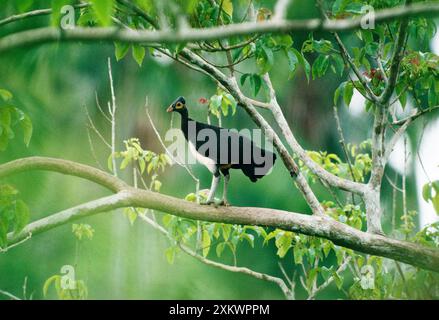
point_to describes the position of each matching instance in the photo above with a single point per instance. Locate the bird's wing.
(225, 146)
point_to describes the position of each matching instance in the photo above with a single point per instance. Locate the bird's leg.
(215, 180)
(224, 202)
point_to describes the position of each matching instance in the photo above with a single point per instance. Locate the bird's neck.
(185, 122)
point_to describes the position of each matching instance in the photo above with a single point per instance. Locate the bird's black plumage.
(226, 149)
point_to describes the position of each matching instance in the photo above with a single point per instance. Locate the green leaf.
(192, 197)
(138, 54)
(220, 249)
(170, 254)
(26, 126)
(48, 282)
(431, 97)
(103, 10)
(205, 243)
(167, 219)
(225, 107)
(367, 35)
(142, 165)
(298, 255)
(284, 41)
(264, 59)
(435, 202)
(5, 95)
(157, 185)
(293, 60)
(131, 214)
(256, 82)
(244, 78)
(21, 216)
(3, 233)
(5, 123)
(338, 280)
(307, 68)
(110, 162)
(337, 6)
(426, 192)
(311, 277)
(320, 66)
(227, 228)
(126, 161)
(215, 104)
(228, 7)
(249, 238)
(83, 231)
(232, 102)
(372, 49)
(348, 93)
(283, 244)
(338, 64)
(23, 5)
(403, 100)
(338, 92)
(121, 49)
(326, 272)
(327, 246)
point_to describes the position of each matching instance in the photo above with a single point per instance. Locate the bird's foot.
(225, 203)
(207, 203)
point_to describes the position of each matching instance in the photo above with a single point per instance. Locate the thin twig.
(189, 251)
(9, 295)
(92, 126)
(113, 120)
(344, 147)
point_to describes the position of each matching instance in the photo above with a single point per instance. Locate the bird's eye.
(179, 105)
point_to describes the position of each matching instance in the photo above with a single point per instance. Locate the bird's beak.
(170, 109)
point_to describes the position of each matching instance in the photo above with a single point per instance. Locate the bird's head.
(178, 105)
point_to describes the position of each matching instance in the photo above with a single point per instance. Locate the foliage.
(14, 213)
(430, 193)
(358, 166)
(221, 102)
(83, 231)
(65, 290)
(145, 160)
(10, 117)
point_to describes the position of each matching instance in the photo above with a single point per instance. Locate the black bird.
(221, 149)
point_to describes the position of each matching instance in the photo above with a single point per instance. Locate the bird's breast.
(207, 162)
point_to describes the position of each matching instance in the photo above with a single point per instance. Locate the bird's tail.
(255, 171)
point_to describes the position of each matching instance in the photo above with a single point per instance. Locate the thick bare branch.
(126, 196)
(50, 34)
(65, 167)
(118, 200)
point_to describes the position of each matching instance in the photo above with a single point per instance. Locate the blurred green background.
(53, 83)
